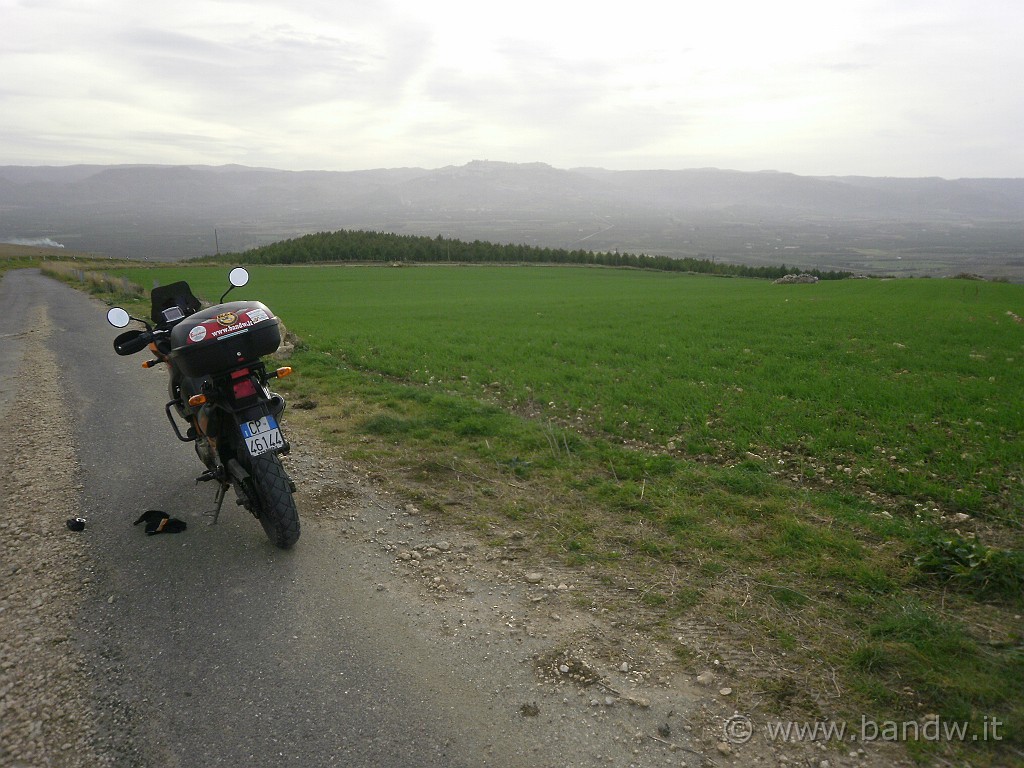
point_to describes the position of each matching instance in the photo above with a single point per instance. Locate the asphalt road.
(212, 647)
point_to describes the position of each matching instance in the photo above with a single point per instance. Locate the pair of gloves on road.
(160, 522)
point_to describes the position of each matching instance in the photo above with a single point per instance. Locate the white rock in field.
(801, 278)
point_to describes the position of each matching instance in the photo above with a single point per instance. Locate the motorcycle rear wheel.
(271, 493)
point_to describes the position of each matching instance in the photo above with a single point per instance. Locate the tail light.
(242, 384)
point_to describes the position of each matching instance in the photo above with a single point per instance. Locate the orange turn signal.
(282, 372)
(196, 400)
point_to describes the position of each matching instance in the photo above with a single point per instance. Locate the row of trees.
(358, 245)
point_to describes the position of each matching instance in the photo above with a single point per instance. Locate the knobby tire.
(273, 496)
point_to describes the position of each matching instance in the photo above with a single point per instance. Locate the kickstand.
(221, 491)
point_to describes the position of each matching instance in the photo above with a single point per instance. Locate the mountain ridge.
(172, 211)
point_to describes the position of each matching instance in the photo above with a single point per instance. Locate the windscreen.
(173, 302)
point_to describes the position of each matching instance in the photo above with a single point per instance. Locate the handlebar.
(130, 342)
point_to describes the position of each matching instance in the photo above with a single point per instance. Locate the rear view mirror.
(238, 277)
(117, 317)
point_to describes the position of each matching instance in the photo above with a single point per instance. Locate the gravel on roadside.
(45, 712)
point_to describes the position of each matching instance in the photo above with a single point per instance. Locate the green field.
(830, 471)
(917, 382)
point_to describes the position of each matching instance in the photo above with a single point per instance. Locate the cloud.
(846, 86)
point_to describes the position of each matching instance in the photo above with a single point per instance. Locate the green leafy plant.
(969, 564)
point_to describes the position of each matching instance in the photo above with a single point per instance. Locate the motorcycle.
(219, 388)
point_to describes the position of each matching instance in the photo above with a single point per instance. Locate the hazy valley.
(873, 225)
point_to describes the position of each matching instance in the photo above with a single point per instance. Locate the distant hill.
(915, 226)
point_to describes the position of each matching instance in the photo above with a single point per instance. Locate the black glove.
(160, 522)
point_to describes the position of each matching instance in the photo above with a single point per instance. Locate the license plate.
(262, 435)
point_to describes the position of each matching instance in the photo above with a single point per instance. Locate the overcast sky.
(815, 87)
